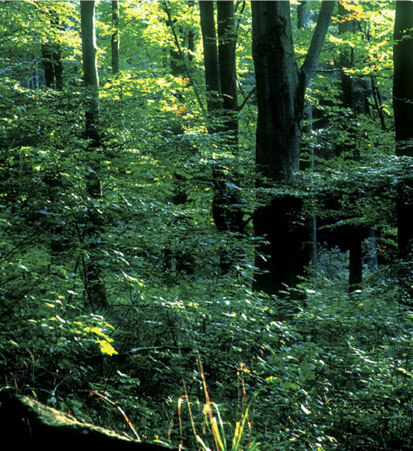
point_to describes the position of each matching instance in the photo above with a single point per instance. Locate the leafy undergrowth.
(227, 368)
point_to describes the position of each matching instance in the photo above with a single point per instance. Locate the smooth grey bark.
(403, 115)
(115, 43)
(95, 288)
(281, 87)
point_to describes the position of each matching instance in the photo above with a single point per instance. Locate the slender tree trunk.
(303, 20)
(349, 100)
(53, 72)
(355, 277)
(177, 63)
(115, 37)
(303, 14)
(211, 61)
(95, 289)
(354, 97)
(52, 65)
(222, 111)
(51, 56)
(227, 67)
(403, 115)
(280, 96)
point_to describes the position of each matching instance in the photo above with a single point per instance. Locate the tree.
(211, 61)
(303, 22)
(115, 37)
(51, 56)
(403, 115)
(354, 100)
(219, 65)
(280, 96)
(303, 14)
(227, 66)
(94, 286)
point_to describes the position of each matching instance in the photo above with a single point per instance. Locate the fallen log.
(27, 422)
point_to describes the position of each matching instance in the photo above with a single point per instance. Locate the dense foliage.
(185, 351)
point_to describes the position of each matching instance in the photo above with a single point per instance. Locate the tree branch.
(308, 68)
(246, 98)
(317, 41)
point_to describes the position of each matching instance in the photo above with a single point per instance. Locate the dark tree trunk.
(303, 21)
(176, 57)
(52, 65)
(53, 72)
(355, 260)
(221, 114)
(95, 289)
(349, 101)
(303, 14)
(227, 67)
(403, 115)
(211, 61)
(277, 144)
(354, 97)
(51, 57)
(115, 37)
(231, 210)
(280, 96)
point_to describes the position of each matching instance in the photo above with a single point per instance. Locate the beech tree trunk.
(95, 289)
(403, 115)
(280, 96)
(51, 57)
(303, 21)
(211, 61)
(303, 14)
(354, 97)
(115, 37)
(222, 113)
(227, 67)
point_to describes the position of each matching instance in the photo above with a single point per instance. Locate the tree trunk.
(222, 113)
(53, 73)
(403, 115)
(211, 61)
(51, 57)
(303, 21)
(93, 275)
(227, 67)
(355, 277)
(280, 96)
(277, 144)
(303, 14)
(115, 37)
(354, 97)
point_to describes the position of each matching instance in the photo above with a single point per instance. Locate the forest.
(206, 219)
